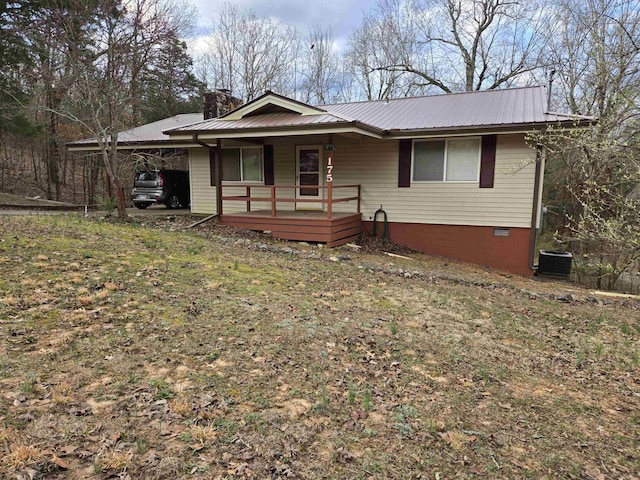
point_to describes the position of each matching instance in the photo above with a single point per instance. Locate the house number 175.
(330, 168)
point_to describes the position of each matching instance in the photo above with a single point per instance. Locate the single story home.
(450, 175)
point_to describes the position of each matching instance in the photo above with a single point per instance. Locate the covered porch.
(270, 167)
(332, 214)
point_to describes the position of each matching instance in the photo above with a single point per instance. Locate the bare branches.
(320, 67)
(597, 58)
(385, 39)
(249, 54)
(105, 68)
(403, 47)
(593, 176)
(428, 80)
(452, 45)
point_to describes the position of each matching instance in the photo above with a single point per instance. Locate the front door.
(309, 167)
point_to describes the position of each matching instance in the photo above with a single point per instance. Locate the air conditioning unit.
(555, 262)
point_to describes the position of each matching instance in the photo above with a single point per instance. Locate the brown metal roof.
(268, 120)
(507, 109)
(517, 107)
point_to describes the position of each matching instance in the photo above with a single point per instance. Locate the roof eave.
(484, 129)
(93, 147)
(356, 127)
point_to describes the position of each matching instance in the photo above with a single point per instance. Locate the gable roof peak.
(271, 102)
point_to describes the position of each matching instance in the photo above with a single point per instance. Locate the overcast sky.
(341, 15)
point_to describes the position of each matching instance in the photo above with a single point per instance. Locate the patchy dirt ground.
(128, 351)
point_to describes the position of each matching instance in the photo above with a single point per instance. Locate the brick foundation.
(467, 243)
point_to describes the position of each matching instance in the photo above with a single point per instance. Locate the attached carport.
(144, 146)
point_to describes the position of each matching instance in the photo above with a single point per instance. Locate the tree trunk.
(108, 191)
(3, 168)
(52, 152)
(110, 161)
(122, 209)
(94, 175)
(600, 272)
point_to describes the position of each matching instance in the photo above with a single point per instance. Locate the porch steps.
(334, 232)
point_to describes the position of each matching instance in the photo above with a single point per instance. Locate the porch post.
(219, 175)
(330, 147)
(273, 200)
(329, 200)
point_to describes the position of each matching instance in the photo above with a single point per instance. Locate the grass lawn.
(128, 351)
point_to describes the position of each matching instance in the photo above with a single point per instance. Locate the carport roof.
(144, 135)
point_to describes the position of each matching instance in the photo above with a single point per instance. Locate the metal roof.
(517, 107)
(149, 133)
(267, 120)
(512, 108)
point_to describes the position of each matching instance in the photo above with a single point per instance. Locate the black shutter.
(488, 161)
(212, 168)
(404, 163)
(269, 175)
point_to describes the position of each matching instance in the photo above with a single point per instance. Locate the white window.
(453, 160)
(242, 164)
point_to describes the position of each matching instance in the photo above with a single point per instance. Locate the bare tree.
(249, 54)
(453, 45)
(593, 176)
(124, 41)
(597, 56)
(57, 33)
(384, 41)
(348, 89)
(153, 25)
(320, 67)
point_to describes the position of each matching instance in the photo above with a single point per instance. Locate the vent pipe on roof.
(551, 75)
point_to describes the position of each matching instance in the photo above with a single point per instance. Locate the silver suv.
(170, 187)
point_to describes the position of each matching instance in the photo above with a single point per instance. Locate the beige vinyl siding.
(374, 165)
(203, 195)
(284, 159)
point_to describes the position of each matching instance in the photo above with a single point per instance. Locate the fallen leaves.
(80, 410)
(457, 440)
(179, 365)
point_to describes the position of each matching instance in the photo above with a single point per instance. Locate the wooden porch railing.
(273, 199)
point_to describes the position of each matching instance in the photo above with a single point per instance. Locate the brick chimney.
(219, 102)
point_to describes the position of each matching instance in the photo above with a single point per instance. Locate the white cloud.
(198, 44)
(341, 15)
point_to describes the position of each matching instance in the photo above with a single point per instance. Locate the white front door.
(309, 168)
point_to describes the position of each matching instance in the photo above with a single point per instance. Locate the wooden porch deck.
(322, 225)
(303, 226)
